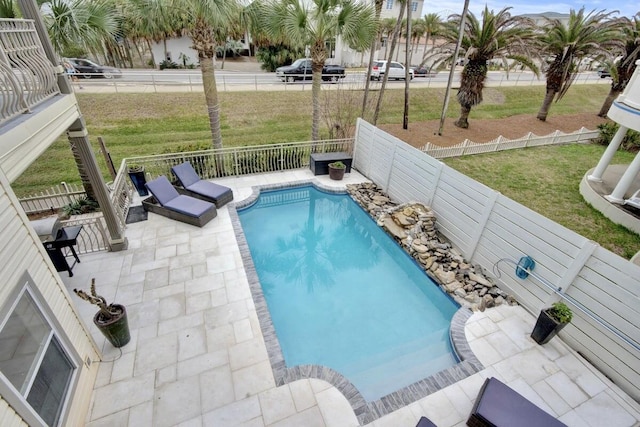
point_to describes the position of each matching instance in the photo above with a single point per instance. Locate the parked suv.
(396, 71)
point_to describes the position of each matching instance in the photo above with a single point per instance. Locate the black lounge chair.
(498, 405)
(166, 201)
(199, 188)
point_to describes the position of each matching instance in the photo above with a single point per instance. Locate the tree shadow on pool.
(319, 253)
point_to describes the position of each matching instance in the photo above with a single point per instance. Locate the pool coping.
(365, 411)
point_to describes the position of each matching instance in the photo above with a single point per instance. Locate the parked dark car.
(423, 72)
(88, 69)
(604, 73)
(301, 70)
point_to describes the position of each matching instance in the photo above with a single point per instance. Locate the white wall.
(487, 227)
(21, 252)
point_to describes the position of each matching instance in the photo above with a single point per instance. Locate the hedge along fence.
(488, 227)
(501, 143)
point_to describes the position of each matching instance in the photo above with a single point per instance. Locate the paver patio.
(197, 356)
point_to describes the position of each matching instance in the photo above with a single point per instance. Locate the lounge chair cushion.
(499, 405)
(188, 205)
(162, 189)
(202, 189)
(185, 174)
(208, 189)
(166, 201)
(425, 422)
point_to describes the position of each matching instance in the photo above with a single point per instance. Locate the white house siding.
(488, 227)
(21, 252)
(8, 417)
(174, 47)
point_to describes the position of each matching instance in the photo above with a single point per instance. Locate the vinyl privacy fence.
(491, 229)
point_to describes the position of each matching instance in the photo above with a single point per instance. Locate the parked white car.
(396, 71)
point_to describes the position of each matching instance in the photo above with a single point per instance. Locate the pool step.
(399, 367)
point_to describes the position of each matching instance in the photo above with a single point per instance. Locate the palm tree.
(387, 26)
(418, 29)
(622, 69)
(80, 23)
(584, 35)
(394, 38)
(374, 45)
(432, 25)
(8, 9)
(311, 24)
(499, 35)
(199, 20)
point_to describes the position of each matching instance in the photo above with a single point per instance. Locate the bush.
(168, 64)
(630, 142)
(80, 206)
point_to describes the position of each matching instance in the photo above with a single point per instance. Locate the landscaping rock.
(413, 226)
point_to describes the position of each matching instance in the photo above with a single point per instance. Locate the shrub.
(561, 312)
(80, 206)
(168, 64)
(630, 142)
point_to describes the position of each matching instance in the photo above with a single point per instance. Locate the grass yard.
(146, 124)
(544, 179)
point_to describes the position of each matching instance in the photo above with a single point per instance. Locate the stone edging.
(366, 412)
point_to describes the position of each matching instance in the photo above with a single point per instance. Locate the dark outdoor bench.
(498, 405)
(320, 162)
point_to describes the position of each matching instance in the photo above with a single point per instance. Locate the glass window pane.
(22, 340)
(49, 389)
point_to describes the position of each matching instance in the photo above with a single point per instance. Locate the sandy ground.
(420, 133)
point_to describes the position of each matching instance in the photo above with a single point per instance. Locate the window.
(414, 6)
(37, 372)
(330, 45)
(389, 4)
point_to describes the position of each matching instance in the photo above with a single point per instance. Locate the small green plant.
(167, 64)
(630, 142)
(80, 206)
(338, 165)
(561, 312)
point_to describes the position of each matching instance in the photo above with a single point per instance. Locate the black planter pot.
(139, 181)
(115, 330)
(546, 328)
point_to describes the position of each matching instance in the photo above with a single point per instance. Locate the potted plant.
(336, 170)
(550, 321)
(111, 320)
(136, 173)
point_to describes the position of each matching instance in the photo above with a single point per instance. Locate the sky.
(447, 7)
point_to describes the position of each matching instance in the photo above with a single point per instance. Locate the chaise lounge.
(201, 189)
(498, 405)
(166, 201)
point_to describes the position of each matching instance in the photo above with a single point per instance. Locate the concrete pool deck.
(197, 356)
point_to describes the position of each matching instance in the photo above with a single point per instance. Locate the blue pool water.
(342, 294)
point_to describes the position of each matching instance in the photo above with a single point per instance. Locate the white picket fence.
(495, 231)
(502, 143)
(52, 199)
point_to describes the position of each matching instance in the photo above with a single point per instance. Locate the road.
(191, 81)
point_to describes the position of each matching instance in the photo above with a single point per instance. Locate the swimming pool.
(342, 294)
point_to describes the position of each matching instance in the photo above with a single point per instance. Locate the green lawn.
(546, 179)
(144, 124)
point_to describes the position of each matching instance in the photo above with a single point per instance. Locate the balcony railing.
(27, 76)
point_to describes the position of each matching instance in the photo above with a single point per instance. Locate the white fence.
(488, 227)
(501, 143)
(53, 199)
